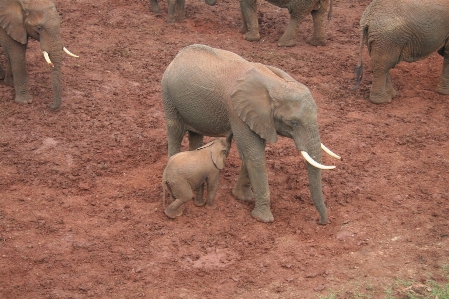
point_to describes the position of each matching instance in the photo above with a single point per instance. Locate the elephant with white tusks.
(214, 92)
(402, 30)
(39, 20)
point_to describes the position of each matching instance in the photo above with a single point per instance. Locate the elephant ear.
(218, 155)
(253, 104)
(11, 20)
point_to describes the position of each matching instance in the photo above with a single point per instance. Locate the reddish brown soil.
(81, 212)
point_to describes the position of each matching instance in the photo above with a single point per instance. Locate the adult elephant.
(402, 30)
(38, 19)
(214, 92)
(298, 9)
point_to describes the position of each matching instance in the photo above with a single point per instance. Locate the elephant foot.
(262, 214)
(251, 36)
(287, 41)
(23, 98)
(243, 194)
(442, 90)
(55, 105)
(173, 213)
(171, 19)
(316, 41)
(199, 202)
(243, 29)
(155, 9)
(380, 99)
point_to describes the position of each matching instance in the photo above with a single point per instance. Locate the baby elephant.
(189, 170)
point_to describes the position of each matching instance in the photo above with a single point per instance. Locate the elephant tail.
(358, 70)
(329, 13)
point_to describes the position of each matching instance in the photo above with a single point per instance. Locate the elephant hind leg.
(182, 194)
(319, 27)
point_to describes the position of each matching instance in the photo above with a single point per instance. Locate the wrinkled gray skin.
(213, 92)
(174, 5)
(19, 20)
(187, 171)
(298, 9)
(402, 30)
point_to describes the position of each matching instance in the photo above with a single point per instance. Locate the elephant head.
(219, 150)
(272, 103)
(39, 20)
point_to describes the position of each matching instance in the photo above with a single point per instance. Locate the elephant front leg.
(212, 187)
(253, 173)
(250, 26)
(443, 84)
(242, 189)
(171, 11)
(259, 181)
(196, 141)
(288, 39)
(16, 74)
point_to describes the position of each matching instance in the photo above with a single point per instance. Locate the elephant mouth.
(319, 165)
(48, 60)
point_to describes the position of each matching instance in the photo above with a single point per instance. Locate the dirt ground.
(81, 212)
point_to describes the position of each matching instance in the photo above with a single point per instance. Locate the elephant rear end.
(194, 81)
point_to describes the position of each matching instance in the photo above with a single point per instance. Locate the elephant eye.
(39, 29)
(293, 123)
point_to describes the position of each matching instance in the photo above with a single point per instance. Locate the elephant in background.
(38, 19)
(214, 92)
(402, 30)
(174, 5)
(298, 9)
(190, 170)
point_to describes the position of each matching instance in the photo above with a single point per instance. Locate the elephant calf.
(187, 171)
(402, 30)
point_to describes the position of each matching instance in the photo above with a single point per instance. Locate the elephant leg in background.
(250, 26)
(182, 195)
(155, 7)
(443, 84)
(319, 25)
(173, 6)
(242, 189)
(16, 73)
(2, 73)
(196, 141)
(252, 152)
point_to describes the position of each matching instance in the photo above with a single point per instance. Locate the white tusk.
(69, 53)
(315, 163)
(47, 59)
(329, 152)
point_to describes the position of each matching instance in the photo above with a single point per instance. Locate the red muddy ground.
(81, 211)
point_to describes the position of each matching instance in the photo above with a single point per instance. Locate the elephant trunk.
(312, 145)
(211, 2)
(55, 77)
